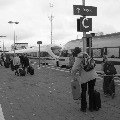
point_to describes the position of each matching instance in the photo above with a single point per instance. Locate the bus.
(49, 54)
(105, 44)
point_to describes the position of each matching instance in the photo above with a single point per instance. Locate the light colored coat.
(16, 61)
(83, 75)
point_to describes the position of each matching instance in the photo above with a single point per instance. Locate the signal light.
(88, 41)
(78, 25)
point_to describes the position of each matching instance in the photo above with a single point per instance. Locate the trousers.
(90, 84)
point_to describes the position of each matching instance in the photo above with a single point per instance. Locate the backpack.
(109, 69)
(88, 64)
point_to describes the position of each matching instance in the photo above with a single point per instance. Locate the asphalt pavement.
(46, 95)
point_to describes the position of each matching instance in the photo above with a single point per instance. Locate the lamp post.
(3, 45)
(51, 19)
(11, 22)
(39, 42)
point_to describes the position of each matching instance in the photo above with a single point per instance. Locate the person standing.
(25, 62)
(16, 63)
(11, 63)
(86, 79)
(109, 72)
(21, 59)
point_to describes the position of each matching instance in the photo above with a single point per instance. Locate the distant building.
(19, 46)
(73, 43)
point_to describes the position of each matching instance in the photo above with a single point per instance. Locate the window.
(44, 54)
(33, 54)
(56, 50)
(65, 53)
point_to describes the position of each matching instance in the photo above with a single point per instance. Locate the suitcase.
(30, 70)
(75, 86)
(6, 65)
(111, 87)
(22, 72)
(97, 100)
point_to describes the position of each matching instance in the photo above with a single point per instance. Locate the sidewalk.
(47, 96)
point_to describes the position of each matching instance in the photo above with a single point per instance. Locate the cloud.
(5, 3)
(35, 25)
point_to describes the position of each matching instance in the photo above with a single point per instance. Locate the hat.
(76, 51)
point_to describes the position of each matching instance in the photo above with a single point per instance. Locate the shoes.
(91, 110)
(83, 110)
(96, 109)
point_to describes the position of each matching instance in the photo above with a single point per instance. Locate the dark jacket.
(21, 59)
(26, 61)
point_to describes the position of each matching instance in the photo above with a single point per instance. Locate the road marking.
(57, 69)
(1, 114)
(52, 68)
(62, 70)
(65, 70)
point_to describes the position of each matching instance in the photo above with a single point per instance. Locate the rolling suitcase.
(97, 100)
(30, 70)
(6, 65)
(75, 86)
(22, 72)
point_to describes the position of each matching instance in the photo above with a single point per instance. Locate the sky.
(35, 25)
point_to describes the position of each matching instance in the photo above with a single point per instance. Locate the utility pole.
(11, 22)
(51, 19)
(84, 33)
(16, 38)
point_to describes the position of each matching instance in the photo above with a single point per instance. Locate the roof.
(101, 36)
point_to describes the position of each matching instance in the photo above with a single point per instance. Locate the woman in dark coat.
(25, 62)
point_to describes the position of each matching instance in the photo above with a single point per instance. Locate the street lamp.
(39, 42)
(11, 22)
(3, 45)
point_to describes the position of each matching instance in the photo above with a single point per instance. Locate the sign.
(84, 10)
(39, 42)
(85, 24)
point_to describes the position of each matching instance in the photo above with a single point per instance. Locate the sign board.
(39, 42)
(84, 10)
(85, 24)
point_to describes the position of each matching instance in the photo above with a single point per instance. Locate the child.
(108, 83)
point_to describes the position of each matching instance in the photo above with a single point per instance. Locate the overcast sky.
(34, 24)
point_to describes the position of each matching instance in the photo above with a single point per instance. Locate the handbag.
(76, 91)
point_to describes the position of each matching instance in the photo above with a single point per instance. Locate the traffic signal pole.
(90, 42)
(84, 33)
